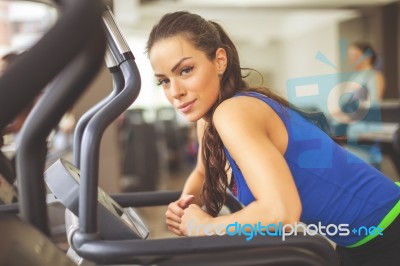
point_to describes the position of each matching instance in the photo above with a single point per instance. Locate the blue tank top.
(335, 187)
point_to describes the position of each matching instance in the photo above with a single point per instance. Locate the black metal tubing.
(295, 250)
(162, 198)
(61, 95)
(12, 208)
(19, 85)
(146, 199)
(143, 199)
(84, 120)
(118, 81)
(90, 147)
(116, 40)
(118, 52)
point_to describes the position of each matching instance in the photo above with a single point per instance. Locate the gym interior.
(99, 131)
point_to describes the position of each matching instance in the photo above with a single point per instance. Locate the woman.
(362, 58)
(284, 167)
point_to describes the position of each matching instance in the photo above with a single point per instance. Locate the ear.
(221, 60)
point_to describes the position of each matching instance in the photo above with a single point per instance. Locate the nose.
(177, 90)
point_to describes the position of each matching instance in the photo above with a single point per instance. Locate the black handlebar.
(85, 49)
(25, 78)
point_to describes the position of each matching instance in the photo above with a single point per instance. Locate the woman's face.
(189, 79)
(357, 59)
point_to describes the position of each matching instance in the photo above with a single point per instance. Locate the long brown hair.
(208, 36)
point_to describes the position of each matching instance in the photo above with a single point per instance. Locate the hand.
(175, 212)
(195, 221)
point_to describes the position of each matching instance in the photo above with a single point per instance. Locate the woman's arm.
(380, 85)
(190, 194)
(246, 127)
(195, 181)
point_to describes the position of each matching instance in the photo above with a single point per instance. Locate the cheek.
(209, 82)
(167, 94)
(215, 85)
(353, 57)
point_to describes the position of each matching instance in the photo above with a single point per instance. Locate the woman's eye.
(162, 82)
(186, 70)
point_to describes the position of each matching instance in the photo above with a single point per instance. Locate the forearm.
(195, 181)
(193, 186)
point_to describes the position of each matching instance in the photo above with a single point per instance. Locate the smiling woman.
(189, 79)
(285, 167)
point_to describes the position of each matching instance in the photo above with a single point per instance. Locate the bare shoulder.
(243, 109)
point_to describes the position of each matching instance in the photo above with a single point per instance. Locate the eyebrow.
(174, 67)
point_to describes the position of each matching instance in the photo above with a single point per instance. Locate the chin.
(193, 117)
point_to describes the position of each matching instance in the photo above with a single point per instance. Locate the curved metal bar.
(84, 120)
(210, 250)
(63, 92)
(18, 85)
(118, 44)
(110, 59)
(159, 198)
(90, 148)
(118, 85)
(117, 52)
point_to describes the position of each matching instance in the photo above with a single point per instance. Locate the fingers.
(175, 230)
(175, 209)
(185, 201)
(173, 226)
(173, 218)
(174, 213)
(172, 223)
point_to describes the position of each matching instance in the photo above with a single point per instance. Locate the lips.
(186, 107)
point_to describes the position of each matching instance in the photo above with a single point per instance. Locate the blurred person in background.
(363, 60)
